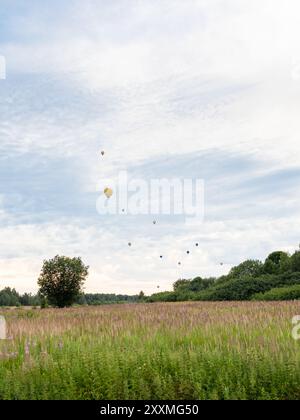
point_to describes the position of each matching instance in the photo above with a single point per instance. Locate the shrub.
(245, 288)
(281, 293)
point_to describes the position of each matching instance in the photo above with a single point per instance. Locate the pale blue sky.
(167, 88)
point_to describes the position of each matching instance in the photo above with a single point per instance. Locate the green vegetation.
(192, 350)
(105, 298)
(281, 293)
(9, 297)
(61, 280)
(251, 279)
(206, 350)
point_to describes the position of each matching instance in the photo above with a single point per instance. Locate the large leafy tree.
(249, 268)
(295, 262)
(61, 280)
(181, 285)
(198, 284)
(277, 262)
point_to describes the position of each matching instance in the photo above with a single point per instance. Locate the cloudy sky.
(206, 89)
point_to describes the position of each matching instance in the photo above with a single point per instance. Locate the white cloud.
(141, 53)
(144, 80)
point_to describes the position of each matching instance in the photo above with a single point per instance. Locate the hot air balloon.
(154, 222)
(187, 252)
(108, 192)
(129, 243)
(179, 263)
(197, 244)
(102, 152)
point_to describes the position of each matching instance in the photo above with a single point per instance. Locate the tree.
(181, 285)
(276, 257)
(295, 262)
(61, 280)
(141, 296)
(198, 284)
(249, 268)
(9, 297)
(27, 299)
(276, 262)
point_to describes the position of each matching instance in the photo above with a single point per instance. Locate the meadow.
(194, 350)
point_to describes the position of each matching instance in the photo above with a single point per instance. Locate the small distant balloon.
(197, 244)
(161, 257)
(179, 263)
(187, 252)
(108, 192)
(129, 243)
(102, 153)
(154, 222)
(158, 287)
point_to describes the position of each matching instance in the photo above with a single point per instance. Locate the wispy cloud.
(168, 89)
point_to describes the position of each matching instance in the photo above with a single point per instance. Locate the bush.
(281, 293)
(163, 297)
(245, 288)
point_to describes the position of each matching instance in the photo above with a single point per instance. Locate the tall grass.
(155, 351)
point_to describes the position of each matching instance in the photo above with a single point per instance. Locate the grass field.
(154, 351)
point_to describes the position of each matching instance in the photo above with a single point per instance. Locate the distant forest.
(9, 297)
(277, 278)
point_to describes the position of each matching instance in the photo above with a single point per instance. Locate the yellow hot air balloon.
(108, 192)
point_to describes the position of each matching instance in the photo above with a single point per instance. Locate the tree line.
(277, 278)
(10, 297)
(61, 284)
